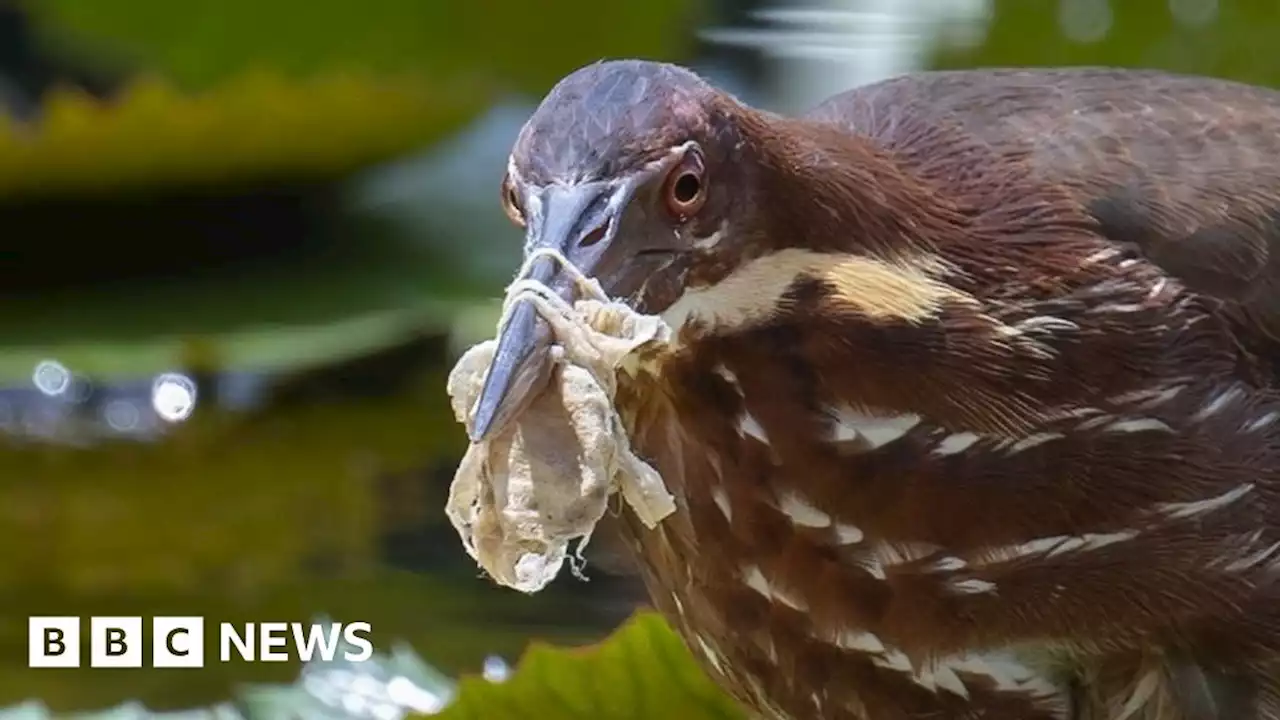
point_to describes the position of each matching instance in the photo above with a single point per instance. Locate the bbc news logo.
(178, 642)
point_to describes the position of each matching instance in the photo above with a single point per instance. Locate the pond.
(262, 439)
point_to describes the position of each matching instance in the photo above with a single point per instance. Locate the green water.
(326, 498)
(310, 479)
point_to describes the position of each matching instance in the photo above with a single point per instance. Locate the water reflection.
(371, 693)
(173, 397)
(820, 48)
(62, 406)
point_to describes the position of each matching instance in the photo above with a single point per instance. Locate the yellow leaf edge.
(259, 124)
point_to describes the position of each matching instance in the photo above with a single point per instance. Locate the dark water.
(280, 497)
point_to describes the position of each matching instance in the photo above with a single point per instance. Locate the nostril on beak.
(594, 236)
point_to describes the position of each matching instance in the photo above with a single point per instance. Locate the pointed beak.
(581, 222)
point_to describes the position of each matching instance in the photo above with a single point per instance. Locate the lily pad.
(642, 671)
(258, 130)
(254, 126)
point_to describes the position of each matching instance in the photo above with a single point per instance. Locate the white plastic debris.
(519, 499)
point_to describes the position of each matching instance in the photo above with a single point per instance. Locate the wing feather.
(1184, 169)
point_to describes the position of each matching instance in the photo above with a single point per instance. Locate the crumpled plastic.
(519, 500)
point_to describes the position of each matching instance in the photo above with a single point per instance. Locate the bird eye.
(685, 190)
(511, 203)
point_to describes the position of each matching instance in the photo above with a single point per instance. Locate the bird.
(971, 407)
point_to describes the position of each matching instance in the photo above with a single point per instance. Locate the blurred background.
(244, 240)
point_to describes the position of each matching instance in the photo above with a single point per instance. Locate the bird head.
(634, 172)
(684, 202)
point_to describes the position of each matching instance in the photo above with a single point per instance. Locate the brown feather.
(1180, 168)
(973, 412)
(1046, 319)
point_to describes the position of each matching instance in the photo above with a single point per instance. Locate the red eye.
(685, 190)
(511, 202)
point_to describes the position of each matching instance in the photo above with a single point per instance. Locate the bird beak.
(580, 222)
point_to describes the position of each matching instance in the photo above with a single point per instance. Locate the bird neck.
(832, 190)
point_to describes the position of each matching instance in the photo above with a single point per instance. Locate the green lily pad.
(256, 125)
(527, 44)
(245, 133)
(642, 671)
